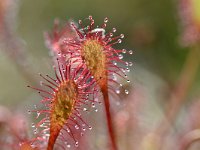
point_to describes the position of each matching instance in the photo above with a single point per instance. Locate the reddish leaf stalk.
(109, 117)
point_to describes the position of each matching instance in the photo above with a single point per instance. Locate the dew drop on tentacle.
(130, 52)
(120, 56)
(76, 127)
(85, 109)
(76, 144)
(130, 64)
(83, 128)
(122, 36)
(119, 41)
(117, 91)
(29, 112)
(59, 53)
(110, 39)
(126, 91)
(124, 51)
(115, 63)
(127, 69)
(123, 70)
(114, 29)
(93, 105)
(106, 20)
(114, 77)
(90, 17)
(33, 125)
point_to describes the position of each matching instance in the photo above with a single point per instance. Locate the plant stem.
(108, 117)
(180, 91)
(189, 139)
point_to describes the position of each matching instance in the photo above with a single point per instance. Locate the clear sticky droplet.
(29, 112)
(114, 29)
(84, 109)
(33, 125)
(119, 41)
(124, 51)
(59, 53)
(114, 63)
(127, 69)
(76, 127)
(76, 144)
(106, 20)
(130, 52)
(93, 105)
(90, 17)
(130, 63)
(126, 92)
(122, 36)
(117, 91)
(114, 78)
(120, 56)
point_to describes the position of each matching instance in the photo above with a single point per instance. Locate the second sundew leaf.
(71, 93)
(62, 108)
(95, 59)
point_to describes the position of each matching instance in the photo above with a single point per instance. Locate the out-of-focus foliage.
(151, 28)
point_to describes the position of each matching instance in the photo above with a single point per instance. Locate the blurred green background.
(152, 30)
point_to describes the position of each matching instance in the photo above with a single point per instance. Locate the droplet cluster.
(99, 55)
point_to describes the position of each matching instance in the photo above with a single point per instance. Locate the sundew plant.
(86, 66)
(70, 84)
